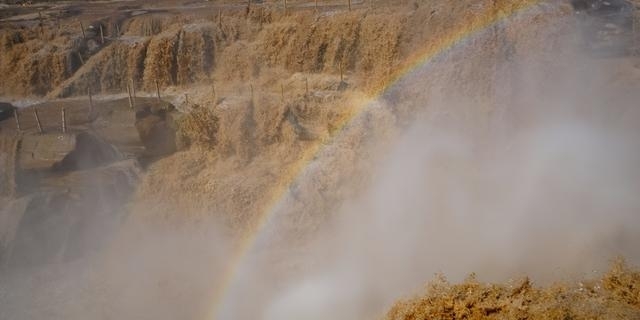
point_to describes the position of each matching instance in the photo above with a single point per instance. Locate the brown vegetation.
(185, 49)
(614, 296)
(279, 100)
(199, 128)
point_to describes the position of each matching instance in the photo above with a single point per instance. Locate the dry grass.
(199, 128)
(8, 147)
(623, 284)
(257, 143)
(175, 49)
(244, 153)
(614, 296)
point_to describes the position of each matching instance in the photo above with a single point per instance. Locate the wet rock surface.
(6, 111)
(64, 194)
(157, 127)
(68, 217)
(609, 27)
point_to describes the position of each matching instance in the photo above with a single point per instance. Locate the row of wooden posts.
(213, 89)
(84, 34)
(286, 7)
(38, 123)
(131, 92)
(315, 4)
(102, 37)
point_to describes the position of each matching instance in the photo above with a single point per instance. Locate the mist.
(514, 153)
(543, 185)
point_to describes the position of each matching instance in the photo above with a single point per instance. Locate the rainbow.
(475, 24)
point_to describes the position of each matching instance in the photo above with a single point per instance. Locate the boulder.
(157, 128)
(64, 152)
(6, 111)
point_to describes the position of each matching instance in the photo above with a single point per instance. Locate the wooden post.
(349, 5)
(35, 113)
(633, 32)
(158, 90)
(306, 86)
(41, 23)
(84, 35)
(17, 117)
(90, 100)
(186, 98)
(101, 35)
(285, 6)
(220, 19)
(316, 6)
(282, 93)
(130, 97)
(133, 89)
(64, 121)
(261, 16)
(341, 73)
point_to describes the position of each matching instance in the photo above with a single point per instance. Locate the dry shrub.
(237, 62)
(623, 283)
(180, 55)
(109, 70)
(261, 15)
(11, 38)
(370, 45)
(160, 63)
(135, 62)
(378, 56)
(195, 54)
(33, 67)
(614, 297)
(113, 67)
(199, 128)
(151, 24)
(303, 43)
(8, 147)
